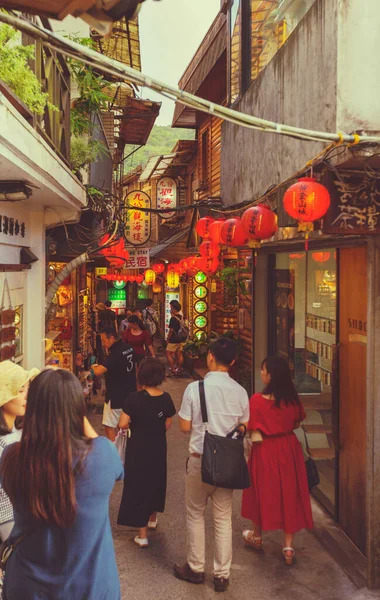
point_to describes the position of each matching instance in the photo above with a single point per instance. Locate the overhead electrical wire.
(117, 69)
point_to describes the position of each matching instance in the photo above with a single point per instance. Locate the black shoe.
(221, 584)
(187, 574)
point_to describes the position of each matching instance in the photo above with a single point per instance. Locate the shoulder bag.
(8, 547)
(223, 462)
(312, 473)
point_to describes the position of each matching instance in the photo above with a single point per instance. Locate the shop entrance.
(303, 330)
(352, 393)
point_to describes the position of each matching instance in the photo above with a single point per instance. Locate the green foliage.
(92, 89)
(16, 73)
(84, 151)
(195, 348)
(161, 141)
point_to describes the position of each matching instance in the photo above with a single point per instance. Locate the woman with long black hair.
(59, 478)
(278, 497)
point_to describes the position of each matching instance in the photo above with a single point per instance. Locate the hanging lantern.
(306, 201)
(207, 265)
(132, 278)
(191, 266)
(158, 268)
(139, 278)
(157, 288)
(183, 265)
(233, 233)
(216, 230)
(209, 250)
(174, 267)
(172, 280)
(203, 227)
(260, 223)
(296, 256)
(321, 257)
(116, 254)
(149, 276)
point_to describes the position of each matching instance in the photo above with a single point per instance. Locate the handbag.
(7, 547)
(312, 473)
(223, 462)
(7, 316)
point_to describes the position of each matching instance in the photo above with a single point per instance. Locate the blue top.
(79, 562)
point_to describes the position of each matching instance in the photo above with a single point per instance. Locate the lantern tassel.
(307, 241)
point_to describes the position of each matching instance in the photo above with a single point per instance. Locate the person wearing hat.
(14, 383)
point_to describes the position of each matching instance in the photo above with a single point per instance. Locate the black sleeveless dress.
(145, 459)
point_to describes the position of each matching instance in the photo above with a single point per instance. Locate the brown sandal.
(251, 540)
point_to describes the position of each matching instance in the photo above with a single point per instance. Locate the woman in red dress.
(139, 338)
(279, 496)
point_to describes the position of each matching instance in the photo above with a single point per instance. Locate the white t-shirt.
(227, 405)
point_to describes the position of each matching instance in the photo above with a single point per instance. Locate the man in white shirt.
(227, 405)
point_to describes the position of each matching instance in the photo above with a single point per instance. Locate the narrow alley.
(316, 576)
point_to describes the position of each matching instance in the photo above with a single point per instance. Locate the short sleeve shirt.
(175, 324)
(121, 373)
(148, 413)
(227, 405)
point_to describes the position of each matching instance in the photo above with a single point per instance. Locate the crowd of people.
(57, 474)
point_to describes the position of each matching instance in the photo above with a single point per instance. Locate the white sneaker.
(142, 543)
(153, 524)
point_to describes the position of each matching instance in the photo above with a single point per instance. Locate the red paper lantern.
(215, 231)
(158, 268)
(139, 278)
(207, 265)
(307, 200)
(191, 266)
(174, 267)
(209, 250)
(150, 277)
(233, 233)
(116, 254)
(296, 256)
(132, 278)
(203, 227)
(321, 257)
(259, 222)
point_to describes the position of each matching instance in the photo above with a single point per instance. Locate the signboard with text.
(166, 196)
(138, 258)
(138, 222)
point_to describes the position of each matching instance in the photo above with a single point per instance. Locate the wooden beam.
(14, 268)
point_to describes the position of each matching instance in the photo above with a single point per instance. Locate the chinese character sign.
(166, 196)
(138, 258)
(137, 222)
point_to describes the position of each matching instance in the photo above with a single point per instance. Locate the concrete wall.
(323, 78)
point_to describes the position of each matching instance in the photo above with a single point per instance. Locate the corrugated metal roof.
(153, 163)
(172, 240)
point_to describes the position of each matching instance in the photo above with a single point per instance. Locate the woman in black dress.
(148, 414)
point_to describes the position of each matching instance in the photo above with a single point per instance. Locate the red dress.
(139, 343)
(279, 496)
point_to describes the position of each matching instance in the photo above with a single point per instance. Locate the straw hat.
(12, 378)
(101, 306)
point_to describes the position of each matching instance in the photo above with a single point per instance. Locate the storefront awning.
(168, 164)
(156, 251)
(137, 120)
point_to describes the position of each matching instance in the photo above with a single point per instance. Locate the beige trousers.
(197, 495)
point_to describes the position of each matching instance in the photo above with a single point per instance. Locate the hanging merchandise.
(233, 233)
(203, 227)
(260, 223)
(216, 231)
(158, 268)
(209, 250)
(8, 330)
(66, 330)
(306, 201)
(65, 296)
(149, 276)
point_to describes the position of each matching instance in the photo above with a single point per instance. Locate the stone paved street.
(148, 573)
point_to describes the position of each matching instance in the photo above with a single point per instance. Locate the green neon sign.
(114, 295)
(200, 322)
(200, 277)
(201, 336)
(119, 285)
(200, 292)
(200, 307)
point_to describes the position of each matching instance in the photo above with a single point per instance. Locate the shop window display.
(304, 305)
(61, 323)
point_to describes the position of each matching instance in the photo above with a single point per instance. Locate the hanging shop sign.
(14, 226)
(138, 258)
(169, 296)
(100, 271)
(137, 222)
(118, 298)
(355, 208)
(166, 196)
(119, 284)
(200, 319)
(200, 292)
